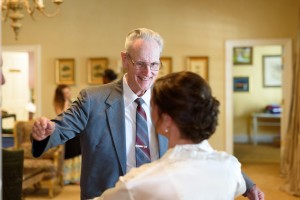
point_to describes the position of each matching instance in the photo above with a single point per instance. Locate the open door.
(286, 86)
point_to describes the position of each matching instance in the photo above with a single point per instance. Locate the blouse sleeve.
(120, 191)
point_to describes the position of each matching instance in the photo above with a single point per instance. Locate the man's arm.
(38, 147)
(252, 192)
(41, 130)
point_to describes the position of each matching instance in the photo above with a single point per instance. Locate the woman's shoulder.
(226, 159)
(145, 172)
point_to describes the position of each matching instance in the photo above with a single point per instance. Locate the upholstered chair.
(51, 162)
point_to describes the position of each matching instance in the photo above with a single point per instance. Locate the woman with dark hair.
(184, 111)
(72, 163)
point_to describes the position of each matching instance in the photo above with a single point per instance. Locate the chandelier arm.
(13, 9)
(6, 16)
(29, 9)
(32, 16)
(4, 7)
(49, 15)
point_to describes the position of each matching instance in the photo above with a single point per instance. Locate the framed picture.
(166, 66)
(96, 67)
(242, 55)
(65, 71)
(241, 84)
(272, 71)
(198, 65)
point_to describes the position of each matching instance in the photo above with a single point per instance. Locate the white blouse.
(185, 172)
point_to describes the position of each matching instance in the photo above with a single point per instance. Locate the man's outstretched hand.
(42, 128)
(255, 194)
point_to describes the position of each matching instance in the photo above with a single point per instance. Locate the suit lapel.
(116, 121)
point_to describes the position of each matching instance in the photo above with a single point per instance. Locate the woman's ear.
(167, 120)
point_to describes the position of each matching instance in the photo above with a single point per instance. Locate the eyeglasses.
(155, 66)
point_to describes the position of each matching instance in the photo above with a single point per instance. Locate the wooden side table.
(256, 123)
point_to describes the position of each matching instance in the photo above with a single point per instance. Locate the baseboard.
(261, 138)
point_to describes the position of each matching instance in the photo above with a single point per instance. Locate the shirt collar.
(189, 150)
(130, 96)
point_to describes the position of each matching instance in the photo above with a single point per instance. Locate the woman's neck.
(174, 138)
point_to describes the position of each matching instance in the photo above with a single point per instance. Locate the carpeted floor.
(262, 164)
(262, 153)
(267, 178)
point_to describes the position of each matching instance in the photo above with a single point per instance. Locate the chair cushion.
(45, 164)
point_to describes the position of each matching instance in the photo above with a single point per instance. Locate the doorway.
(16, 91)
(286, 79)
(23, 83)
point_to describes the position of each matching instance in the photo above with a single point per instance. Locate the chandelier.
(13, 9)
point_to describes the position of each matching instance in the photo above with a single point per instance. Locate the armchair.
(51, 162)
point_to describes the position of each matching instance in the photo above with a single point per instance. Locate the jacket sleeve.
(249, 183)
(38, 147)
(67, 125)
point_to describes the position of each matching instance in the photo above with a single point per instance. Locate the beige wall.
(95, 28)
(258, 97)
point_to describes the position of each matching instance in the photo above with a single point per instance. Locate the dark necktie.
(142, 151)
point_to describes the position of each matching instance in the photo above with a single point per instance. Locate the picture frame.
(272, 70)
(96, 67)
(65, 71)
(241, 84)
(166, 66)
(198, 65)
(242, 55)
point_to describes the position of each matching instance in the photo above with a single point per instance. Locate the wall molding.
(261, 138)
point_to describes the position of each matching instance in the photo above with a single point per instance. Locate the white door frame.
(286, 86)
(36, 51)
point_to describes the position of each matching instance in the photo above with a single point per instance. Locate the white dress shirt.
(130, 125)
(185, 172)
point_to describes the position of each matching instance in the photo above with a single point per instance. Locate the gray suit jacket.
(98, 115)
